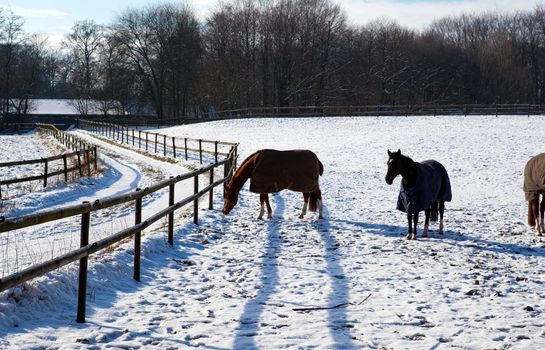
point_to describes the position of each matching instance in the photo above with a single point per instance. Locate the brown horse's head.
(394, 166)
(230, 199)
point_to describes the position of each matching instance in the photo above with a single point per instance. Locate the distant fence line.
(177, 147)
(16, 123)
(82, 149)
(84, 209)
(381, 110)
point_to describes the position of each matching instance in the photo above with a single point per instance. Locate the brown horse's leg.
(269, 209)
(426, 222)
(320, 203)
(306, 196)
(263, 197)
(537, 215)
(541, 214)
(531, 216)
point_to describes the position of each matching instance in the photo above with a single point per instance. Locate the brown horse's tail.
(320, 168)
(434, 211)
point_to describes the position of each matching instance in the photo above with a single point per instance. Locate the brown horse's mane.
(243, 173)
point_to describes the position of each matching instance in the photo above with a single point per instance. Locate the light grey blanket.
(534, 177)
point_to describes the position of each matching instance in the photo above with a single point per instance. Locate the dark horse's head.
(230, 198)
(395, 166)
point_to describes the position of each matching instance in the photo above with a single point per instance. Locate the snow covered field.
(234, 282)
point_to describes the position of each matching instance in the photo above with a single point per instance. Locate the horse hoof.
(301, 216)
(320, 217)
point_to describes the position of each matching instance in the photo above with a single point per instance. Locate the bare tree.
(83, 45)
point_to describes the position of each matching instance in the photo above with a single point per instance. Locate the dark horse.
(272, 171)
(534, 187)
(425, 186)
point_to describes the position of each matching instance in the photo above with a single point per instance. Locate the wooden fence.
(135, 231)
(380, 110)
(177, 147)
(82, 150)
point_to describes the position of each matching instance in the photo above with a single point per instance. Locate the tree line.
(162, 60)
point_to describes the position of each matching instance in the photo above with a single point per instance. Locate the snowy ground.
(234, 282)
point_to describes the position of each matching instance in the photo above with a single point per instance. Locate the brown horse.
(425, 186)
(534, 187)
(272, 171)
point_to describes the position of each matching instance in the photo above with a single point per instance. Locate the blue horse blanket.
(432, 184)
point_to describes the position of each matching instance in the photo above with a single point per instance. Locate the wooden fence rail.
(379, 110)
(82, 150)
(84, 209)
(158, 143)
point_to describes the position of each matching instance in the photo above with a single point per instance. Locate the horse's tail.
(312, 201)
(434, 211)
(320, 168)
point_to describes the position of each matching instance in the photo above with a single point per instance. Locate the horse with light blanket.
(534, 187)
(272, 171)
(425, 186)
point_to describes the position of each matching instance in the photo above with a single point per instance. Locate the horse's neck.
(409, 173)
(242, 175)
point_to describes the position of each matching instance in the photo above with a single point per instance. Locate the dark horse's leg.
(264, 200)
(426, 222)
(441, 212)
(413, 223)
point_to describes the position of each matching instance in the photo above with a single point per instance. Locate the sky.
(55, 18)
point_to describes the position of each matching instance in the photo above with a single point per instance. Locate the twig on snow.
(307, 309)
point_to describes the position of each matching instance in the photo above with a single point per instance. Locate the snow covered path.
(124, 172)
(234, 282)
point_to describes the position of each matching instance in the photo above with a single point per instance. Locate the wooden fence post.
(96, 157)
(88, 157)
(146, 140)
(185, 142)
(137, 237)
(82, 287)
(200, 150)
(174, 146)
(216, 150)
(211, 194)
(78, 153)
(156, 142)
(65, 163)
(196, 200)
(45, 172)
(133, 137)
(171, 215)
(139, 139)
(164, 145)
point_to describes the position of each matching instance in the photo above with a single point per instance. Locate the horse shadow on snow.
(449, 237)
(337, 317)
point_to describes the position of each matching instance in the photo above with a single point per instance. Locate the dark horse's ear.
(389, 153)
(398, 151)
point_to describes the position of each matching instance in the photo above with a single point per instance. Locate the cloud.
(36, 12)
(419, 14)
